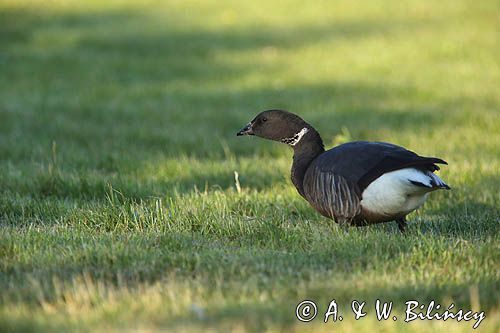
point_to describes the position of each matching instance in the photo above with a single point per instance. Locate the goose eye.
(264, 119)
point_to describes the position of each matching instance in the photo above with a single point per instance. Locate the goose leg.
(402, 224)
(343, 224)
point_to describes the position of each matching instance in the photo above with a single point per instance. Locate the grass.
(118, 205)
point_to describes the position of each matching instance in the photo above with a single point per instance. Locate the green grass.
(118, 205)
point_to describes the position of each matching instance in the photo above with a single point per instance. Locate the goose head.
(277, 125)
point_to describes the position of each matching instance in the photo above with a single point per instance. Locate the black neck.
(304, 152)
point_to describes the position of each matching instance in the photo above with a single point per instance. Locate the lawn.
(119, 209)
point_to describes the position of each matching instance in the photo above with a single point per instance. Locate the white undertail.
(400, 192)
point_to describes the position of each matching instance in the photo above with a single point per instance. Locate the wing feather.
(362, 162)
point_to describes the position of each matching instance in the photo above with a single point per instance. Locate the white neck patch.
(296, 138)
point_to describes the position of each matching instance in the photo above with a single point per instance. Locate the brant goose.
(356, 183)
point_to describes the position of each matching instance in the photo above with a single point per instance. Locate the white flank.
(394, 194)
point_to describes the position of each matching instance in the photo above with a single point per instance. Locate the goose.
(356, 183)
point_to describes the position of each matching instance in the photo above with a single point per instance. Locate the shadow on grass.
(126, 90)
(147, 113)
